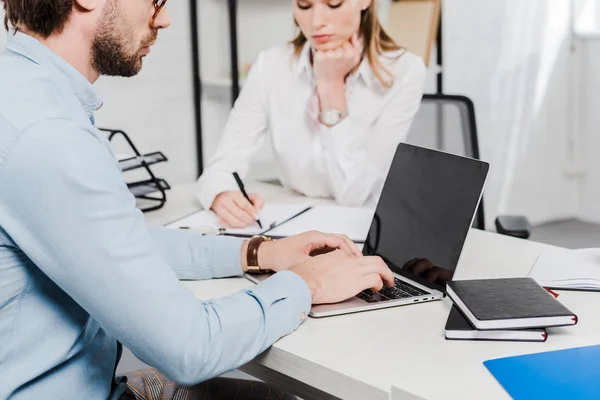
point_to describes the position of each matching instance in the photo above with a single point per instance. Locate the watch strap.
(252, 254)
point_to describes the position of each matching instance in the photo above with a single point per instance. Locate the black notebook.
(458, 327)
(510, 303)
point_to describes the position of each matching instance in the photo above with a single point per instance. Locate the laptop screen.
(424, 213)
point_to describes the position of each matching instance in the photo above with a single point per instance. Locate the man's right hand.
(337, 276)
(234, 211)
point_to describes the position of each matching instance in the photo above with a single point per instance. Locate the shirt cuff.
(289, 296)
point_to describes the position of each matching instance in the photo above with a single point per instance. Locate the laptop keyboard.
(400, 290)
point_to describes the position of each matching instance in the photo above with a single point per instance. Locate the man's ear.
(86, 5)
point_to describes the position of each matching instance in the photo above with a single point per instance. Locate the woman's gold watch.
(252, 254)
(332, 117)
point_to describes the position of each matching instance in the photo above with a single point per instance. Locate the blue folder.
(572, 374)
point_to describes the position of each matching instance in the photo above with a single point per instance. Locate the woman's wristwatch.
(332, 117)
(252, 254)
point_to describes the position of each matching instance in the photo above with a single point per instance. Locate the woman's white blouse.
(349, 161)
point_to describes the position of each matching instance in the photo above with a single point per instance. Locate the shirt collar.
(302, 63)
(304, 67)
(34, 50)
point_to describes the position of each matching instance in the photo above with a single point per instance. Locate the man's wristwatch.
(252, 254)
(332, 117)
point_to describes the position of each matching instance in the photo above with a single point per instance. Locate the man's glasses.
(158, 6)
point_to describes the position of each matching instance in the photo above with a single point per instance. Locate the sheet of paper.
(272, 214)
(351, 221)
(574, 269)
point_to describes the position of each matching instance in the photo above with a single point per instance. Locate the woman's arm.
(244, 133)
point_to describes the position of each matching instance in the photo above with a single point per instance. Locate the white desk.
(361, 356)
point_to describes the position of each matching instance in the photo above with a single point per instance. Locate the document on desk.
(353, 222)
(272, 215)
(569, 269)
(563, 374)
(283, 220)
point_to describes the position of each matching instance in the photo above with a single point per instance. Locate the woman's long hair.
(375, 39)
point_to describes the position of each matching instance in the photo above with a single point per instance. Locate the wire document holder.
(152, 190)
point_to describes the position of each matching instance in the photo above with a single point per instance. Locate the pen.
(241, 185)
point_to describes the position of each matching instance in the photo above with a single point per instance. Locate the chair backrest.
(447, 123)
(413, 24)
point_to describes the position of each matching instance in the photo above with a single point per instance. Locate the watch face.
(331, 117)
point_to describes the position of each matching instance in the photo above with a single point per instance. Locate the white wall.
(586, 16)
(512, 59)
(589, 88)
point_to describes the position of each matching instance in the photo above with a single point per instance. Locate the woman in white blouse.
(336, 102)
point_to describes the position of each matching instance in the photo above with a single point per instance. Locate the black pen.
(241, 185)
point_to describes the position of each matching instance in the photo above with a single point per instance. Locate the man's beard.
(109, 55)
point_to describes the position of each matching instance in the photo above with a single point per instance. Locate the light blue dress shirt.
(79, 268)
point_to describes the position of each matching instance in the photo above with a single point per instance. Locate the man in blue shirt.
(80, 272)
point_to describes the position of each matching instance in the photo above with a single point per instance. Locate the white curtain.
(512, 58)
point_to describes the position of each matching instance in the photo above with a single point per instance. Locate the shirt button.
(302, 316)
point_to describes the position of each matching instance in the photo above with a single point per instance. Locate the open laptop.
(426, 208)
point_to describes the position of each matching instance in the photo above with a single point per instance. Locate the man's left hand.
(283, 254)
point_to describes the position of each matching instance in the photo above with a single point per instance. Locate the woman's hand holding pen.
(234, 211)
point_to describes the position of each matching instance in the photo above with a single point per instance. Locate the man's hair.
(42, 17)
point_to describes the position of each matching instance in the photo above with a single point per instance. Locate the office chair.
(447, 123)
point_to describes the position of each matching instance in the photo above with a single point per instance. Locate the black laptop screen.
(424, 213)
